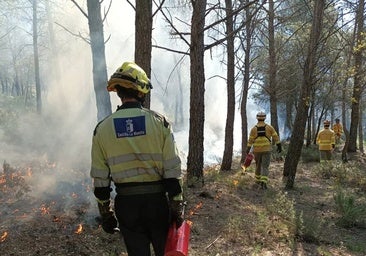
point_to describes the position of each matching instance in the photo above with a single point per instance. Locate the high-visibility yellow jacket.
(338, 129)
(261, 136)
(325, 139)
(134, 144)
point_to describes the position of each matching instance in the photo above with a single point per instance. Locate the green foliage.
(350, 212)
(309, 228)
(300, 226)
(283, 207)
(333, 169)
(355, 245)
(310, 154)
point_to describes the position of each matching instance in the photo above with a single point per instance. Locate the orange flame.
(79, 229)
(198, 206)
(44, 210)
(29, 171)
(3, 237)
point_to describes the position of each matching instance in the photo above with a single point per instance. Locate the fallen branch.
(214, 241)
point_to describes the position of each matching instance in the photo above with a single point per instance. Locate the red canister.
(248, 160)
(178, 239)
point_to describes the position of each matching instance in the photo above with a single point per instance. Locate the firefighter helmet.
(326, 123)
(261, 116)
(130, 75)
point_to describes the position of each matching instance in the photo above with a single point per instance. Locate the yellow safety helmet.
(130, 75)
(261, 116)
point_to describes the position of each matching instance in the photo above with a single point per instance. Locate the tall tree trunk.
(360, 128)
(36, 58)
(359, 74)
(246, 74)
(55, 71)
(229, 128)
(99, 62)
(179, 113)
(272, 67)
(143, 34)
(297, 137)
(197, 96)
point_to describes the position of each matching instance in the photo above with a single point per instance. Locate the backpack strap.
(261, 132)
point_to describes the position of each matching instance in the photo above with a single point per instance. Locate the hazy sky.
(69, 100)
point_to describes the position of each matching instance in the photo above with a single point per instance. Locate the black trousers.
(143, 220)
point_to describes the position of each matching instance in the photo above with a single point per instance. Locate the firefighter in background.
(134, 149)
(260, 137)
(326, 142)
(338, 131)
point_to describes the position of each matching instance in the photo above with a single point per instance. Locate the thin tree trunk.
(360, 128)
(245, 91)
(297, 137)
(197, 96)
(359, 74)
(272, 66)
(99, 63)
(36, 58)
(143, 35)
(229, 128)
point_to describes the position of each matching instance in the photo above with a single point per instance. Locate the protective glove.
(248, 150)
(109, 221)
(176, 212)
(279, 148)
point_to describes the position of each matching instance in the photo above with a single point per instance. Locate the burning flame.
(79, 229)
(2, 179)
(74, 195)
(29, 171)
(44, 210)
(3, 237)
(198, 206)
(235, 182)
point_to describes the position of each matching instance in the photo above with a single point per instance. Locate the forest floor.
(50, 210)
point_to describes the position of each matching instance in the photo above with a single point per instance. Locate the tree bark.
(197, 96)
(358, 78)
(246, 75)
(297, 137)
(36, 58)
(229, 128)
(143, 35)
(99, 62)
(272, 67)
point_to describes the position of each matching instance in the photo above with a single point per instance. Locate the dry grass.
(42, 210)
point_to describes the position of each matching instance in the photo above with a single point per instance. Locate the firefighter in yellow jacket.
(134, 150)
(338, 131)
(260, 137)
(326, 142)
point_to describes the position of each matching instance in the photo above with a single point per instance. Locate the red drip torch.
(249, 158)
(178, 239)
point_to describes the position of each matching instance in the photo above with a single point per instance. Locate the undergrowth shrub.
(310, 154)
(329, 169)
(351, 213)
(299, 226)
(309, 228)
(283, 207)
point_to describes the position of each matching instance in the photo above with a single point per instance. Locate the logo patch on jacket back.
(130, 126)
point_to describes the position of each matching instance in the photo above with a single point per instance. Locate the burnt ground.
(50, 210)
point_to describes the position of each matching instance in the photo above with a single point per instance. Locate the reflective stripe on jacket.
(134, 145)
(263, 143)
(325, 139)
